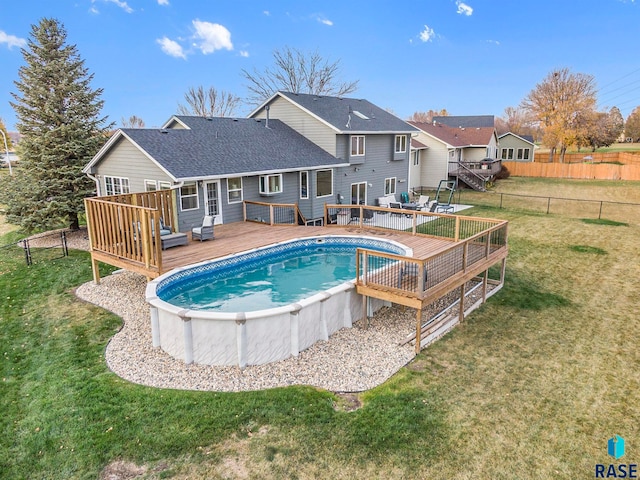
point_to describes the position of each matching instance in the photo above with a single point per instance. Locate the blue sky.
(475, 57)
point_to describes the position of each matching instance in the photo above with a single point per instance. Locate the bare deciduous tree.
(297, 72)
(427, 117)
(560, 103)
(209, 103)
(133, 122)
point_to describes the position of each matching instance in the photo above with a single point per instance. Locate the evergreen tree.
(59, 120)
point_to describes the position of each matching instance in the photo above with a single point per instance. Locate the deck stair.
(471, 178)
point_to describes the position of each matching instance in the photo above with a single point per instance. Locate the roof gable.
(218, 147)
(345, 115)
(457, 137)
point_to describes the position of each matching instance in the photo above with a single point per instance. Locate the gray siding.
(126, 161)
(378, 165)
(315, 130)
(511, 141)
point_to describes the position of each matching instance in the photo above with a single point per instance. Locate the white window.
(401, 143)
(270, 184)
(416, 157)
(357, 145)
(304, 184)
(324, 183)
(116, 185)
(150, 186)
(164, 185)
(234, 189)
(507, 154)
(390, 186)
(189, 196)
(523, 154)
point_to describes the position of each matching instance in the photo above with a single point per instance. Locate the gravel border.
(354, 359)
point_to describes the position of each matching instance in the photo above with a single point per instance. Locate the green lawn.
(531, 385)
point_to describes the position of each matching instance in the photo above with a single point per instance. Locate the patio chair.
(423, 202)
(355, 214)
(404, 196)
(204, 232)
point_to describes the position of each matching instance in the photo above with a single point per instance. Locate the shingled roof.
(457, 137)
(218, 147)
(466, 121)
(347, 115)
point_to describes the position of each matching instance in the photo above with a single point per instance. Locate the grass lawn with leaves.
(531, 385)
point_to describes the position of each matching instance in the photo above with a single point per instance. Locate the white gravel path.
(352, 360)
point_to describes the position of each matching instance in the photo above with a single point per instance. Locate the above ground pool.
(262, 305)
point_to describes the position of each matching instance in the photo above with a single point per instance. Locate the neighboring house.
(466, 121)
(518, 148)
(373, 143)
(447, 147)
(216, 163)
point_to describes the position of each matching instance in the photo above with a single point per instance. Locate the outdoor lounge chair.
(423, 202)
(204, 232)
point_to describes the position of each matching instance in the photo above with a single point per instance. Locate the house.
(299, 149)
(466, 121)
(373, 144)
(515, 147)
(215, 163)
(468, 153)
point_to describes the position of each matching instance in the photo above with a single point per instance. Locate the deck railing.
(416, 222)
(421, 278)
(272, 213)
(122, 227)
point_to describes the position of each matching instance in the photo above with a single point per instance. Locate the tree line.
(61, 126)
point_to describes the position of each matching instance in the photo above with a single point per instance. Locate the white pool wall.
(259, 337)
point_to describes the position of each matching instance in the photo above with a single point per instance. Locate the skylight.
(361, 115)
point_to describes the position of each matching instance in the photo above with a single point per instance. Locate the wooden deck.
(238, 237)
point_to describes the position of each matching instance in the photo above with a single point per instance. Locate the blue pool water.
(270, 277)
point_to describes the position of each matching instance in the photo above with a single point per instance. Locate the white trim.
(111, 142)
(121, 183)
(197, 196)
(395, 143)
(306, 195)
(149, 182)
(395, 185)
(364, 151)
(316, 185)
(268, 191)
(217, 218)
(174, 118)
(229, 201)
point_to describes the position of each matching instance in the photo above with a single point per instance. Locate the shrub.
(503, 174)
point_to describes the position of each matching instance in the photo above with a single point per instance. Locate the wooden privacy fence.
(626, 158)
(122, 230)
(600, 171)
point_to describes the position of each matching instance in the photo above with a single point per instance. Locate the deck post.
(96, 270)
(462, 293)
(456, 236)
(485, 281)
(418, 330)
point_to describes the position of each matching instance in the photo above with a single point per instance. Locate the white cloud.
(323, 20)
(163, 2)
(210, 37)
(171, 47)
(495, 42)
(427, 34)
(119, 3)
(244, 53)
(12, 40)
(267, 13)
(463, 8)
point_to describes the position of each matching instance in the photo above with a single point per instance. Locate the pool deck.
(238, 237)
